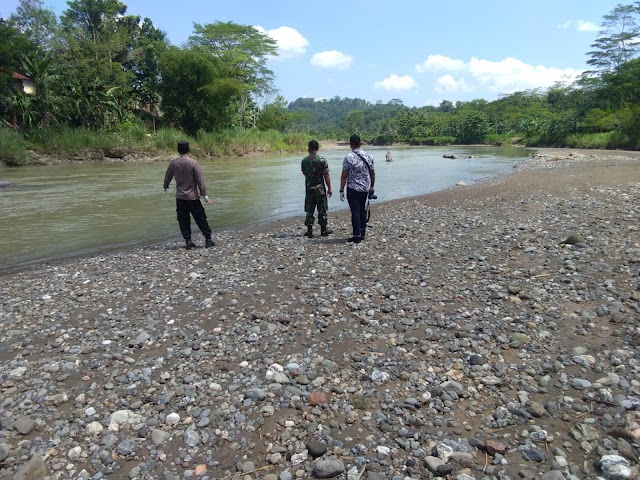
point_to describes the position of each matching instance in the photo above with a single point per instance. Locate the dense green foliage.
(107, 80)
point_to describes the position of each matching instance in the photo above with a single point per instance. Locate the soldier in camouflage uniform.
(316, 174)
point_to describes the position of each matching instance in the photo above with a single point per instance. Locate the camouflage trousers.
(313, 199)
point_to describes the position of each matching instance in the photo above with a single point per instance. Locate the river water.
(53, 212)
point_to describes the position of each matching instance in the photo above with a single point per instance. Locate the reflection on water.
(56, 211)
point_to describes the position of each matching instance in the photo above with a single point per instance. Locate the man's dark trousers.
(358, 204)
(186, 208)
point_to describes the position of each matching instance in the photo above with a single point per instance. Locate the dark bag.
(372, 194)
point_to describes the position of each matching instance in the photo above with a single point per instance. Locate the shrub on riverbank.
(440, 141)
(502, 140)
(590, 140)
(242, 141)
(65, 140)
(13, 150)
(69, 142)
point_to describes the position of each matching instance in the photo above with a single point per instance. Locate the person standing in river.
(359, 176)
(316, 174)
(190, 187)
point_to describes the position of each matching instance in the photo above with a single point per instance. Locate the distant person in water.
(316, 174)
(388, 157)
(190, 187)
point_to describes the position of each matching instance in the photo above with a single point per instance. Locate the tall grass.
(132, 138)
(590, 140)
(241, 142)
(502, 139)
(71, 140)
(166, 139)
(13, 148)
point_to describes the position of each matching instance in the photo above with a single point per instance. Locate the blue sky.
(419, 51)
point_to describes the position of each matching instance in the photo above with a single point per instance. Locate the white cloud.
(396, 83)
(448, 84)
(510, 75)
(290, 42)
(504, 76)
(579, 25)
(332, 59)
(439, 62)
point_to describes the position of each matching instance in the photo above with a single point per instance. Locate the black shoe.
(309, 232)
(325, 231)
(189, 245)
(209, 243)
(354, 240)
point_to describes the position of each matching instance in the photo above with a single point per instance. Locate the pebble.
(463, 330)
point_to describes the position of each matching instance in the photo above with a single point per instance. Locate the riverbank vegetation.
(48, 143)
(96, 79)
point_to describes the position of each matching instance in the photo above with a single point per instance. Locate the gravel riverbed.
(488, 331)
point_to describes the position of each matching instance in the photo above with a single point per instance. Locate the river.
(53, 212)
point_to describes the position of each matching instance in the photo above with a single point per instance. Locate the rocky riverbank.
(484, 332)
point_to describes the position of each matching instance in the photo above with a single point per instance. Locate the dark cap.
(354, 139)
(183, 146)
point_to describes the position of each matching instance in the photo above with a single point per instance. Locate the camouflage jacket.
(314, 171)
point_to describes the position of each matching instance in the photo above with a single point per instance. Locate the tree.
(13, 45)
(621, 87)
(107, 50)
(43, 102)
(471, 126)
(96, 41)
(274, 115)
(195, 95)
(144, 47)
(243, 112)
(242, 53)
(446, 106)
(38, 23)
(94, 20)
(354, 121)
(619, 38)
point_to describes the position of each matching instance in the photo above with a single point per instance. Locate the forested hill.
(597, 112)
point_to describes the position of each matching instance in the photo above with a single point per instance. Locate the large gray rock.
(34, 469)
(328, 468)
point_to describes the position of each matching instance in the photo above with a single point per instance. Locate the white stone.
(172, 419)
(94, 428)
(74, 454)
(382, 450)
(378, 376)
(17, 372)
(298, 458)
(123, 417)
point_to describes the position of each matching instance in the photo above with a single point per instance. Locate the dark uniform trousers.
(185, 209)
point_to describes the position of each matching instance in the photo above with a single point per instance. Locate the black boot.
(189, 244)
(309, 231)
(209, 243)
(324, 231)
